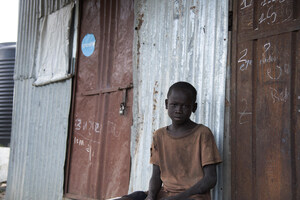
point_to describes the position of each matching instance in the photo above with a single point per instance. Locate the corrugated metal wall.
(7, 65)
(40, 117)
(177, 40)
(174, 40)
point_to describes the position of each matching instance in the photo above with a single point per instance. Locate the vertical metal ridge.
(293, 111)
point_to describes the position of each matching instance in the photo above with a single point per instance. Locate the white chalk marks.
(271, 69)
(270, 16)
(87, 134)
(277, 75)
(89, 125)
(277, 96)
(246, 4)
(245, 62)
(275, 72)
(270, 11)
(244, 113)
(274, 12)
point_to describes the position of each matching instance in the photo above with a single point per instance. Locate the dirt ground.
(2, 190)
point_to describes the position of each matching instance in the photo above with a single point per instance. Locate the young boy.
(184, 154)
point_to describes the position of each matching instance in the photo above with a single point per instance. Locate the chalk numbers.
(274, 11)
(271, 11)
(244, 62)
(269, 17)
(246, 4)
(90, 126)
(274, 72)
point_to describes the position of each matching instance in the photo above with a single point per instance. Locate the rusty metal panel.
(99, 162)
(244, 122)
(177, 40)
(273, 123)
(265, 92)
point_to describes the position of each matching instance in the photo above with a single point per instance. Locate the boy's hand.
(177, 197)
(149, 198)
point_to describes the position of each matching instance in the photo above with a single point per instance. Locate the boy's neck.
(181, 129)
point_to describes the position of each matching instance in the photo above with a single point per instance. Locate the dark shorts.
(140, 195)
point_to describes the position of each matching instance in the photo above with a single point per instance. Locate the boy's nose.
(178, 109)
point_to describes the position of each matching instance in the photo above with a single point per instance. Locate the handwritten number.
(267, 47)
(245, 5)
(245, 62)
(244, 113)
(77, 124)
(269, 16)
(97, 127)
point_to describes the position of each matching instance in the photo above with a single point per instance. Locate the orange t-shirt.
(181, 160)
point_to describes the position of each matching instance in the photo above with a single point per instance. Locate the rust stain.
(155, 92)
(227, 103)
(140, 23)
(140, 19)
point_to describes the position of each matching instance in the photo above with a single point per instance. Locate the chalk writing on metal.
(269, 17)
(267, 58)
(87, 125)
(269, 70)
(274, 13)
(245, 62)
(244, 113)
(279, 96)
(245, 4)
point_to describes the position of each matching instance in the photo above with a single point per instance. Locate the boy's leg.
(139, 195)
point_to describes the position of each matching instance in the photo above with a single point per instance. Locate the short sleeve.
(209, 150)
(154, 157)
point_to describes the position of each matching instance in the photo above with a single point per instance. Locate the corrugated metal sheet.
(7, 65)
(177, 40)
(49, 6)
(40, 120)
(38, 143)
(29, 13)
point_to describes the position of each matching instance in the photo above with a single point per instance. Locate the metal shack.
(91, 78)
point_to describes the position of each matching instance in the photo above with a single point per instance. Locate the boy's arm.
(154, 184)
(205, 184)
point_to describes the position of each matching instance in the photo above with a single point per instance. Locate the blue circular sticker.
(88, 44)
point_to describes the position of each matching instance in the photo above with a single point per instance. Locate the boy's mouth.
(178, 117)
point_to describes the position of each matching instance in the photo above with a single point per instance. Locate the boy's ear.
(166, 103)
(194, 107)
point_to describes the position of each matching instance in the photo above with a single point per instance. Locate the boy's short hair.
(185, 86)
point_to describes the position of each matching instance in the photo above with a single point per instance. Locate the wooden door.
(265, 93)
(98, 165)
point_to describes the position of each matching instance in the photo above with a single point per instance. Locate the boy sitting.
(184, 154)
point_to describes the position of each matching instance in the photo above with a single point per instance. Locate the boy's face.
(180, 106)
